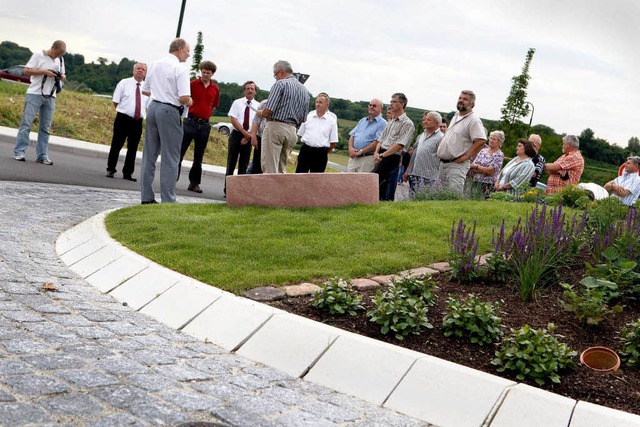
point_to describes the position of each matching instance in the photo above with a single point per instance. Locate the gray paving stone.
(13, 367)
(6, 397)
(125, 328)
(265, 293)
(153, 357)
(153, 382)
(98, 316)
(249, 382)
(87, 350)
(182, 373)
(331, 412)
(72, 405)
(302, 419)
(86, 378)
(94, 332)
(50, 362)
(24, 345)
(121, 366)
(191, 400)
(71, 321)
(117, 420)
(32, 385)
(15, 413)
(23, 316)
(11, 306)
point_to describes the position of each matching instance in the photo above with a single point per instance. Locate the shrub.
(473, 319)
(502, 196)
(337, 297)
(570, 194)
(463, 251)
(605, 214)
(617, 269)
(537, 247)
(630, 340)
(534, 354)
(422, 287)
(591, 302)
(397, 312)
(532, 195)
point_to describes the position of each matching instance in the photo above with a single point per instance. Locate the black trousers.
(199, 133)
(238, 154)
(384, 170)
(124, 129)
(312, 159)
(256, 166)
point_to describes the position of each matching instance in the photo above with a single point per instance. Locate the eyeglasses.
(373, 105)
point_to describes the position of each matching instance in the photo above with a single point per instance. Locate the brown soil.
(619, 390)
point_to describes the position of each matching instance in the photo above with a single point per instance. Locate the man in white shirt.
(168, 85)
(319, 135)
(241, 114)
(46, 69)
(130, 106)
(627, 186)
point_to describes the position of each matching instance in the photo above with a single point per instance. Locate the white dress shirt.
(125, 97)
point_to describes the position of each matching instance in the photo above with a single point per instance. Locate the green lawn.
(240, 248)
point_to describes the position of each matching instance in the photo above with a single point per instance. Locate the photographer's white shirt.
(41, 61)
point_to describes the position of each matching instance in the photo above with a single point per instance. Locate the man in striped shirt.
(286, 108)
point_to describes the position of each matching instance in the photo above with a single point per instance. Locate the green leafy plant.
(618, 269)
(630, 340)
(422, 287)
(397, 312)
(570, 194)
(603, 214)
(534, 354)
(502, 196)
(591, 302)
(473, 319)
(337, 297)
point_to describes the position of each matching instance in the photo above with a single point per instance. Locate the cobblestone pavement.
(77, 357)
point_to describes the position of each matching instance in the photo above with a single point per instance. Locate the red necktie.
(245, 123)
(136, 115)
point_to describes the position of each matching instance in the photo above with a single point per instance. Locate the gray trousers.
(453, 175)
(163, 136)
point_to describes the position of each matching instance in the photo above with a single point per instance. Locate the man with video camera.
(47, 72)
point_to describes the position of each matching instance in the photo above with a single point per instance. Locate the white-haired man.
(363, 137)
(568, 168)
(627, 186)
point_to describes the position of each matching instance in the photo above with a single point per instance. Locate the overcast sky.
(585, 72)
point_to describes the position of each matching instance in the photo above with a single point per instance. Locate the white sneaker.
(44, 161)
(20, 158)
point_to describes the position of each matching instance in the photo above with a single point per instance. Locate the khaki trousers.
(278, 139)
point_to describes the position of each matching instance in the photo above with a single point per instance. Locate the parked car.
(15, 74)
(223, 127)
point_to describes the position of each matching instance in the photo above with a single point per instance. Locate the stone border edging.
(434, 390)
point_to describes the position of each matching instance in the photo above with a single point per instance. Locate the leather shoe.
(130, 178)
(194, 188)
(149, 202)
(110, 174)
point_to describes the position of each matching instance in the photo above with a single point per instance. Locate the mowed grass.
(240, 248)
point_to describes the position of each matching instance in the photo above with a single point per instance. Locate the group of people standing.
(452, 157)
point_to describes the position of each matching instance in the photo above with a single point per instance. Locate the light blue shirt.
(367, 131)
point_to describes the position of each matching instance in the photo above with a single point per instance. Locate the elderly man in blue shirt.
(362, 139)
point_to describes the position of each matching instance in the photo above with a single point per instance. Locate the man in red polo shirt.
(206, 98)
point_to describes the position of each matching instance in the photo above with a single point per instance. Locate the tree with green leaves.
(197, 56)
(634, 145)
(515, 106)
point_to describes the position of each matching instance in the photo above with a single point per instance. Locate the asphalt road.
(88, 168)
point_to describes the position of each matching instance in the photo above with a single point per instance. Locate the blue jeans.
(33, 105)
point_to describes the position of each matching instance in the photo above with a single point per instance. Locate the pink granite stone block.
(303, 190)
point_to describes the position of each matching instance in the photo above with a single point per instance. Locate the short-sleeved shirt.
(168, 80)
(397, 131)
(205, 99)
(42, 61)
(571, 165)
(260, 122)
(288, 101)
(319, 132)
(462, 132)
(631, 182)
(238, 108)
(125, 97)
(424, 162)
(367, 131)
(484, 158)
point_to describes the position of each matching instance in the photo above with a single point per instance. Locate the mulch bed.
(618, 390)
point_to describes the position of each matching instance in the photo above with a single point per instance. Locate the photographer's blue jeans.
(43, 107)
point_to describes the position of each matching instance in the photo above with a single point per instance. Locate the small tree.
(197, 56)
(515, 106)
(634, 145)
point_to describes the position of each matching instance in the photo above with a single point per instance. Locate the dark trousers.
(237, 152)
(256, 167)
(124, 129)
(312, 159)
(199, 133)
(387, 171)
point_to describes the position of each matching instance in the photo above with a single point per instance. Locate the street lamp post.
(184, 2)
(531, 118)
